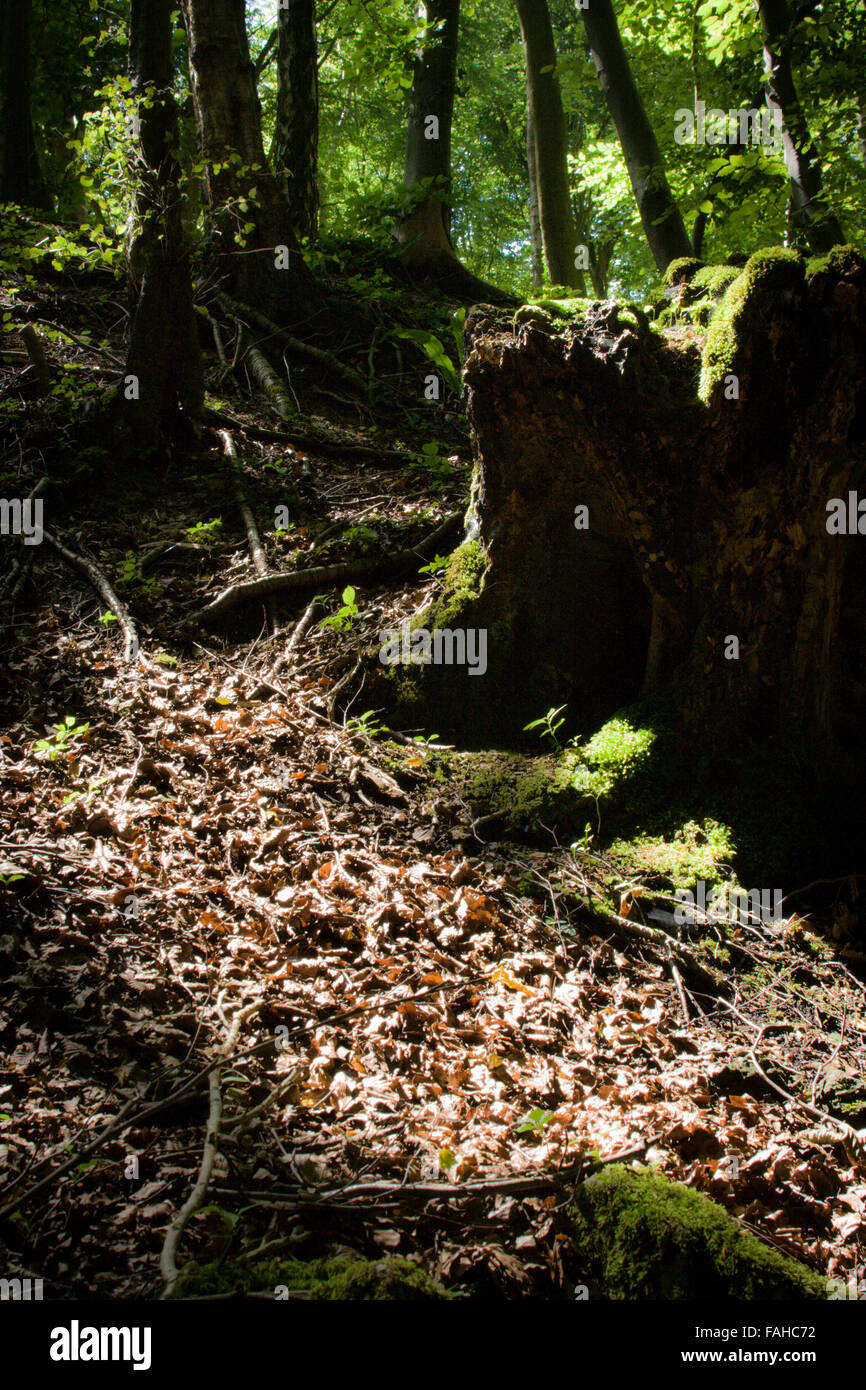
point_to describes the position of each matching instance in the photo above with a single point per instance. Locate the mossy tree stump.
(706, 468)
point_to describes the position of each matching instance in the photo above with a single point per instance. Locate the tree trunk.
(20, 178)
(253, 237)
(425, 232)
(659, 214)
(551, 162)
(163, 369)
(707, 573)
(536, 250)
(811, 212)
(294, 153)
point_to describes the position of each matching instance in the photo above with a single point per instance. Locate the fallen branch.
(103, 588)
(309, 441)
(257, 554)
(168, 1262)
(527, 1186)
(325, 576)
(297, 637)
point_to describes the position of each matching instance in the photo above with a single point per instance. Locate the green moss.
(734, 326)
(642, 1237)
(552, 313)
(714, 279)
(681, 271)
(843, 260)
(565, 788)
(342, 1278)
(462, 583)
(698, 851)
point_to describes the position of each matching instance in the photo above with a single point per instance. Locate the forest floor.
(207, 855)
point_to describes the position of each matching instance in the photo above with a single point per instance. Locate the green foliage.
(431, 460)
(433, 348)
(549, 724)
(342, 620)
(436, 565)
(64, 734)
(535, 1121)
(205, 532)
(366, 724)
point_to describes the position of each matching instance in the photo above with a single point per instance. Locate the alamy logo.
(740, 126)
(76, 1343)
(441, 647)
(19, 518)
(847, 518)
(724, 903)
(21, 1290)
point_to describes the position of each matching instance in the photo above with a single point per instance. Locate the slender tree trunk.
(294, 153)
(812, 215)
(536, 250)
(20, 177)
(254, 239)
(551, 162)
(163, 369)
(659, 214)
(426, 232)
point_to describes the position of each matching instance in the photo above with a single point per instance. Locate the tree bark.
(662, 222)
(20, 177)
(536, 249)
(426, 231)
(163, 369)
(294, 153)
(551, 161)
(240, 187)
(812, 215)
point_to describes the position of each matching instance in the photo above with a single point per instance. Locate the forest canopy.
(681, 56)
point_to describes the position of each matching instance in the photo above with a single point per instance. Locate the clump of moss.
(846, 261)
(563, 789)
(642, 1237)
(714, 279)
(462, 583)
(342, 1278)
(698, 851)
(553, 313)
(682, 270)
(734, 329)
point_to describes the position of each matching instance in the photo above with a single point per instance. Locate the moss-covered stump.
(692, 292)
(640, 1236)
(653, 521)
(341, 1278)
